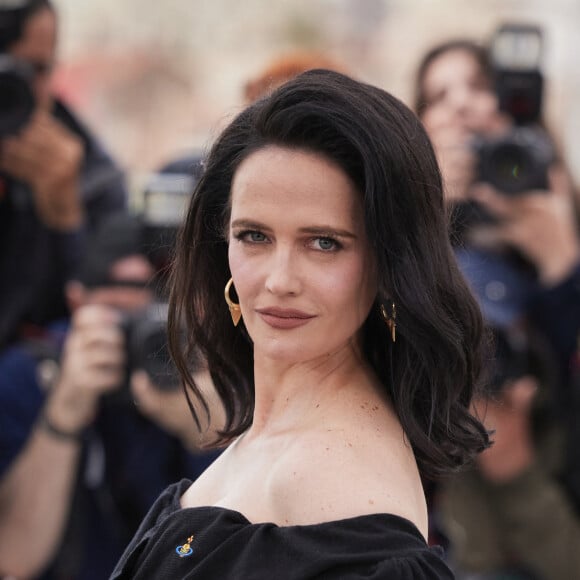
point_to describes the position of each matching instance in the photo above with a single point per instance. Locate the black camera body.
(17, 101)
(518, 161)
(146, 346)
(164, 204)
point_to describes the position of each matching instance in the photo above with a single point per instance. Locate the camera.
(518, 161)
(146, 346)
(17, 100)
(147, 349)
(162, 211)
(164, 202)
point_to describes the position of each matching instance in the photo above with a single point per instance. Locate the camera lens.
(147, 347)
(155, 359)
(16, 96)
(512, 167)
(517, 162)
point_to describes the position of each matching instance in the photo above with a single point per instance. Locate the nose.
(460, 99)
(283, 277)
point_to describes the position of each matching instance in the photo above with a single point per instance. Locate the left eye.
(325, 244)
(256, 236)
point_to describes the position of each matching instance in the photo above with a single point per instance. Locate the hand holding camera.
(48, 157)
(92, 363)
(37, 149)
(540, 225)
(483, 114)
(501, 170)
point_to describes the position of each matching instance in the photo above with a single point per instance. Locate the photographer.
(510, 516)
(510, 194)
(497, 160)
(56, 182)
(80, 461)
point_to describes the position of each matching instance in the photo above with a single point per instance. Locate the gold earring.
(390, 321)
(235, 310)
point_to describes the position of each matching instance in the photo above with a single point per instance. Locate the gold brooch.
(186, 549)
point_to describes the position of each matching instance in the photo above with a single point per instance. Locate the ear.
(76, 294)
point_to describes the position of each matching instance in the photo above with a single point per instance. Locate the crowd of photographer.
(515, 228)
(102, 441)
(92, 409)
(93, 424)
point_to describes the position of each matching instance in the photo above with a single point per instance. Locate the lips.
(284, 317)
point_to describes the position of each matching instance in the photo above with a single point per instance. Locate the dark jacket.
(36, 261)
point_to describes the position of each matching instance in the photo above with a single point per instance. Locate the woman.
(536, 231)
(345, 353)
(457, 103)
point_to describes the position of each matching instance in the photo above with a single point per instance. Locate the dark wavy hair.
(479, 53)
(431, 372)
(13, 18)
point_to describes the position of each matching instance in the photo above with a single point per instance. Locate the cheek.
(244, 271)
(486, 108)
(435, 115)
(487, 103)
(235, 259)
(352, 288)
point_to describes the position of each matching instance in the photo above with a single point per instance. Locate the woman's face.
(457, 91)
(299, 255)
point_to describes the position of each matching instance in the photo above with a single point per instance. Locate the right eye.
(251, 236)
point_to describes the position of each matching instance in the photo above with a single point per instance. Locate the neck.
(294, 396)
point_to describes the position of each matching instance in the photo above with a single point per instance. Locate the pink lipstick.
(284, 318)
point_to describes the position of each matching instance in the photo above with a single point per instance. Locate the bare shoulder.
(341, 473)
(208, 488)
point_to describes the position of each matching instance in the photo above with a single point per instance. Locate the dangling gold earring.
(390, 320)
(235, 310)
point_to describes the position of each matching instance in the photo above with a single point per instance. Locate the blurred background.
(155, 79)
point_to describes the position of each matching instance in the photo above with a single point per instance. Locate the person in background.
(315, 275)
(56, 181)
(521, 253)
(536, 230)
(84, 450)
(283, 68)
(485, 511)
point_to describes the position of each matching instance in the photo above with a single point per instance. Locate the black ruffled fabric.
(226, 546)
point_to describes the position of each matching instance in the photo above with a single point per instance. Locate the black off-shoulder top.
(217, 543)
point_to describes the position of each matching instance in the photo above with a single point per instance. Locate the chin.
(294, 352)
(289, 354)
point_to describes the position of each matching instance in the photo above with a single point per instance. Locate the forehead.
(452, 64)
(296, 183)
(38, 40)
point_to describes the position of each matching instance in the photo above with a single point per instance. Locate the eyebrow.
(321, 230)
